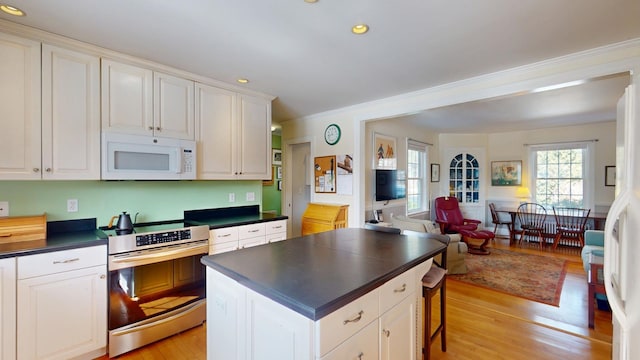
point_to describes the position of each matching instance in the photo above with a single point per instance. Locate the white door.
(19, 108)
(70, 114)
(173, 104)
(397, 331)
(255, 138)
(7, 309)
(63, 315)
(300, 184)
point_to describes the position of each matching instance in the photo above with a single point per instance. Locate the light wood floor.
(481, 324)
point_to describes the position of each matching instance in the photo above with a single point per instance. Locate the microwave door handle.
(179, 162)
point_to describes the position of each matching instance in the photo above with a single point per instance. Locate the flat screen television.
(390, 185)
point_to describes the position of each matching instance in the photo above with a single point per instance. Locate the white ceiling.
(306, 56)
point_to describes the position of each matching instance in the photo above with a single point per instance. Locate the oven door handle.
(160, 254)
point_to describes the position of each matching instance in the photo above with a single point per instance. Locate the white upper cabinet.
(127, 98)
(20, 108)
(233, 134)
(254, 138)
(139, 101)
(215, 131)
(70, 114)
(173, 105)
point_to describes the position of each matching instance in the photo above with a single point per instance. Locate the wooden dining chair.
(570, 224)
(531, 218)
(497, 220)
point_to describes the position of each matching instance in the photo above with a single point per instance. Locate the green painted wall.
(271, 199)
(154, 200)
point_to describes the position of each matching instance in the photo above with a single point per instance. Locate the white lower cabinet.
(7, 309)
(398, 331)
(382, 324)
(62, 304)
(244, 236)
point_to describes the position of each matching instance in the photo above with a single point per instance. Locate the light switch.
(251, 196)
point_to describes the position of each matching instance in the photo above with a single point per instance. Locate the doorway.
(300, 181)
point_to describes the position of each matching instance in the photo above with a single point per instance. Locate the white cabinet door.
(255, 138)
(398, 331)
(215, 132)
(7, 309)
(226, 311)
(127, 98)
(63, 315)
(173, 103)
(20, 107)
(70, 114)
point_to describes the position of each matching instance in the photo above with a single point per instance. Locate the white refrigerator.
(622, 232)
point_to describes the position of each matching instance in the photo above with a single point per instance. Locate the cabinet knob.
(36, 170)
(360, 355)
(386, 333)
(158, 128)
(151, 128)
(47, 169)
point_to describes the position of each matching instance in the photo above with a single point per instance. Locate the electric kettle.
(124, 224)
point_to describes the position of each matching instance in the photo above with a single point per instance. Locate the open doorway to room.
(298, 189)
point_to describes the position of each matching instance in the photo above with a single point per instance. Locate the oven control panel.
(163, 237)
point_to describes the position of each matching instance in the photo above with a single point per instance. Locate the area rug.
(533, 277)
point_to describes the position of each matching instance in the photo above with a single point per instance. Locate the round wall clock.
(332, 134)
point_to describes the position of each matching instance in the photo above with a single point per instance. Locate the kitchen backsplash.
(154, 200)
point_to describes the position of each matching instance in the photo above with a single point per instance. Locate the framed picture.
(435, 172)
(506, 173)
(276, 159)
(610, 176)
(279, 172)
(384, 152)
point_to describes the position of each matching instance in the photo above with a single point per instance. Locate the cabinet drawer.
(396, 289)
(245, 243)
(276, 237)
(251, 231)
(274, 227)
(363, 345)
(223, 235)
(218, 248)
(341, 324)
(60, 261)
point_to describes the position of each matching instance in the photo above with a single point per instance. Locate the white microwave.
(139, 157)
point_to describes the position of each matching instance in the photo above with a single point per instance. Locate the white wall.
(615, 58)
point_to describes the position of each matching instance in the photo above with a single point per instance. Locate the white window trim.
(420, 146)
(588, 168)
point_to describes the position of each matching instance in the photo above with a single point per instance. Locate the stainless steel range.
(156, 283)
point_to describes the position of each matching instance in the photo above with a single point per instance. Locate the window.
(464, 178)
(562, 175)
(416, 177)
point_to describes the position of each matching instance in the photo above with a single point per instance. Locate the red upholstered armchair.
(450, 218)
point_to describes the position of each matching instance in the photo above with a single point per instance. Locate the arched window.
(464, 178)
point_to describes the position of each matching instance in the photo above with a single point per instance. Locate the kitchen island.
(323, 296)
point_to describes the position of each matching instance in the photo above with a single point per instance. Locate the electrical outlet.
(72, 205)
(232, 197)
(4, 208)
(251, 196)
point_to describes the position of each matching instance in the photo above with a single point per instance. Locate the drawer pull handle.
(225, 235)
(278, 227)
(355, 319)
(402, 289)
(66, 261)
(6, 235)
(254, 231)
(386, 333)
(360, 355)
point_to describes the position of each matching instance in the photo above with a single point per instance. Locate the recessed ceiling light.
(360, 29)
(243, 80)
(311, 1)
(12, 10)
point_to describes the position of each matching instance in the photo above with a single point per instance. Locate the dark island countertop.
(231, 216)
(61, 235)
(317, 274)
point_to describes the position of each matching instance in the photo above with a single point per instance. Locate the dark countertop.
(61, 235)
(317, 274)
(232, 216)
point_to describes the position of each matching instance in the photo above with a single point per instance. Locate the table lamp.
(523, 194)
